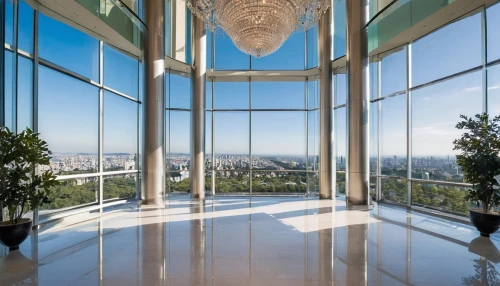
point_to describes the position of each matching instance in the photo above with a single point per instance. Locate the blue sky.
(68, 107)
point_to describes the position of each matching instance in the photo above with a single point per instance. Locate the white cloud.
(471, 89)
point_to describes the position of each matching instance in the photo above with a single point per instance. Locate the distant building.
(425, 176)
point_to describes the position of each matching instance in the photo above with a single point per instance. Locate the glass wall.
(58, 89)
(339, 28)
(417, 107)
(177, 131)
(299, 52)
(312, 163)
(178, 31)
(340, 128)
(259, 131)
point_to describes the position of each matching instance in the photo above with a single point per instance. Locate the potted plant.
(23, 187)
(479, 159)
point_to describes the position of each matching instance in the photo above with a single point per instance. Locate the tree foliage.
(479, 147)
(73, 192)
(22, 188)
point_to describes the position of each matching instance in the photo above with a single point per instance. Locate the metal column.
(198, 110)
(326, 107)
(358, 171)
(153, 171)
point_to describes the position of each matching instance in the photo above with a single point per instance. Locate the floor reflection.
(265, 241)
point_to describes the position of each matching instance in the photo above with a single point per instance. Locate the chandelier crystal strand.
(259, 27)
(312, 10)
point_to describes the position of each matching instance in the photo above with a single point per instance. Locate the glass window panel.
(168, 28)
(493, 34)
(121, 72)
(26, 26)
(494, 90)
(178, 182)
(179, 91)
(9, 91)
(444, 198)
(339, 28)
(141, 141)
(180, 30)
(374, 76)
(59, 43)
(227, 56)
(167, 139)
(374, 136)
(313, 94)
(312, 47)
(208, 140)
(313, 140)
(313, 183)
(188, 36)
(134, 5)
(290, 56)
(232, 182)
(340, 148)
(120, 133)
(120, 186)
(394, 190)
(92, 6)
(393, 136)
(179, 148)
(142, 81)
(208, 182)
(278, 95)
(209, 94)
(70, 193)
(278, 140)
(373, 186)
(210, 51)
(340, 87)
(433, 127)
(167, 89)
(451, 49)
(68, 121)
(24, 94)
(231, 95)
(231, 140)
(279, 182)
(9, 22)
(393, 69)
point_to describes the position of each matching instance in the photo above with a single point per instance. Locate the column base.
(325, 197)
(152, 205)
(197, 197)
(359, 207)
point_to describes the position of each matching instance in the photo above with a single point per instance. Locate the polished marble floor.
(268, 241)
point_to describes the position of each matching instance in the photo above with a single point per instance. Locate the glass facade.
(259, 135)
(261, 114)
(177, 131)
(178, 31)
(417, 106)
(82, 96)
(340, 128)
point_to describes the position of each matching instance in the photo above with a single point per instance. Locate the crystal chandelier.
(259, 27)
